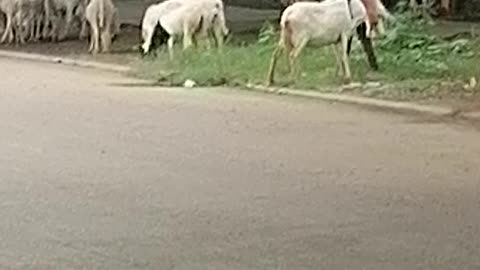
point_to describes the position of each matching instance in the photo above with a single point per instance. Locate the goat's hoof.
(347, 81)
(268, 82)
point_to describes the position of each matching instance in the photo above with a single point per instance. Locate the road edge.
(371, 102)
(341, 98)
(64, 61)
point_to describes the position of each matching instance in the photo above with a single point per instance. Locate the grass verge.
(414, 64)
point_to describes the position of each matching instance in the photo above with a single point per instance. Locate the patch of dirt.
(123, 48)
(459, 95)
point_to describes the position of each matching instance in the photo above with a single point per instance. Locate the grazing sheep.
(330, 22)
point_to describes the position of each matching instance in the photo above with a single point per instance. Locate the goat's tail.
(286, 38)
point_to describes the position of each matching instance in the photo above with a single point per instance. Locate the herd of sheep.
(328, 22)
(32, 20)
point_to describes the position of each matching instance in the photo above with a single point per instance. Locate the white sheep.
(331, 22)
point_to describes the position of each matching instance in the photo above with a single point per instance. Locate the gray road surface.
(100, 176)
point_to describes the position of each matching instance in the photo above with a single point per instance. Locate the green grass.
(406, 53)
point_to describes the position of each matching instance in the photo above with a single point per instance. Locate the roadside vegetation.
(414, 63)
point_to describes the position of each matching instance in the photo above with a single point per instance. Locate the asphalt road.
(97, 175)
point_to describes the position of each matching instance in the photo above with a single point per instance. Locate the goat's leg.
(170, 43)
(187, 35)
(219, 37)
(147, 40)
(208, 42)
(367, 47)
(293, 56)
(344, 55)
(187, 40)
(194, 40)
(380, 29)
(338, 59)
(414, 6)
(273, 64)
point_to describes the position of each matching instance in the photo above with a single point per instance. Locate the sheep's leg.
(46, 26)
(83, 30)
(68, 23)
(106, 38)
(33, 27)
(12, 30)
(38, 33)
(16, 26)
(8, 29)
(95, 39)
(273, 64)
(23, 28)
(46, 18)
(91, 43)
(343, 49)
(54, 29)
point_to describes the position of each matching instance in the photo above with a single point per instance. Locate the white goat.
(103, 20)
(328, 22)
(151, 20)
(191, 19)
